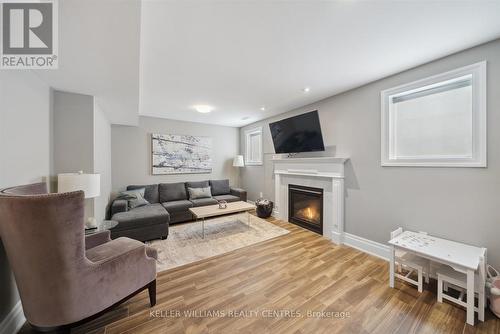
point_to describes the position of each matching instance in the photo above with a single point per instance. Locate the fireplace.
(305, 207)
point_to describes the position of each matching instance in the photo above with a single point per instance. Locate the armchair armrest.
(119, 205)
(241, 193)
(115, 250)
(97, 239)
(114, 271)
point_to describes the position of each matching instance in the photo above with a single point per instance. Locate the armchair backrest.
(43, 236)
(27, 189)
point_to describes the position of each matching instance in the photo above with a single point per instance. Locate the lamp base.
(91, 223)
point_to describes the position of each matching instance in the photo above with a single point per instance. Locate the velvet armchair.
(64, 278)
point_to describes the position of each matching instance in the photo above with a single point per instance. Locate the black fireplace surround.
(305, 207)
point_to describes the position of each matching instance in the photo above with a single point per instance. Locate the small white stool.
(450, 278)
(412, 263)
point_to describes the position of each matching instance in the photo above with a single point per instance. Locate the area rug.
(185, 243)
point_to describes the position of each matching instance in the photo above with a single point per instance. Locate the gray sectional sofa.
(169, 203)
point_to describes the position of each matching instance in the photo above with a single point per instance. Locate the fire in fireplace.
(305, 207)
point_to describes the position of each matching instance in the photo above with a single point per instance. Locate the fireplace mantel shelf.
(310, 173)
(312, 160)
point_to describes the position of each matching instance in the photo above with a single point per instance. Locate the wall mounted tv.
(301, 133)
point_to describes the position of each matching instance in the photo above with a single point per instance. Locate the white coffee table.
(203, 212)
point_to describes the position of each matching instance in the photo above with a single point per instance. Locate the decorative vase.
(264, 208)
(222, 204)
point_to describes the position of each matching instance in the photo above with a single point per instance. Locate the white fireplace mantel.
(326, 173)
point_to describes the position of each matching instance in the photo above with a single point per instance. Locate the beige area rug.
(222, 234)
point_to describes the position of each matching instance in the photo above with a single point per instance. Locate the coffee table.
(203, 212)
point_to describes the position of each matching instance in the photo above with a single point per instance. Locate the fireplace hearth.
(305, 207)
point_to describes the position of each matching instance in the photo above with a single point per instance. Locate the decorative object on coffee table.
(264, 207)
(222, 204)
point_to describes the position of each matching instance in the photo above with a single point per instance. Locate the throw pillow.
(196, 193)
(220, 187)
(135, 198)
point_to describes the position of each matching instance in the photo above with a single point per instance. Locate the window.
(438, 121)
(253, 141)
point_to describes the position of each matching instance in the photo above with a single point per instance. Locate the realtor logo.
(29, 34)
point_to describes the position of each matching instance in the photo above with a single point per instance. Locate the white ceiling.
(99, 54)
(238, 56)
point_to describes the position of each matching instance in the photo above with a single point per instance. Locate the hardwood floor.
(275, 285)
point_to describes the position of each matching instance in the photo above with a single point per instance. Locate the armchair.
(65, 279)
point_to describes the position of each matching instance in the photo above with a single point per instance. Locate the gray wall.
(73, 117)
(456, 203)
(82, 141)
(131, 151)
(24, 149)
(102, 161)
(73, 126)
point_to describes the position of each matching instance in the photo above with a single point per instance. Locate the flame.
(309, 213)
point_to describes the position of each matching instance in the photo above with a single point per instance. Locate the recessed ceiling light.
(306, 89)
(263, 108)
(204, 109)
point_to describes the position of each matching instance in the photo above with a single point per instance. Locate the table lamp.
(89, 183)
(238, 161)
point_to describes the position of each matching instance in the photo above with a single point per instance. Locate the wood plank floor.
(297, 283)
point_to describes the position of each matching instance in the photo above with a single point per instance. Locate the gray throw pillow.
(196, 193)
(135, 198)
(220, 187)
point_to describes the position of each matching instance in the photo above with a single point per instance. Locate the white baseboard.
(275, 214)
(337, 238)
(13, 321)
(365, 245)
(368, 246)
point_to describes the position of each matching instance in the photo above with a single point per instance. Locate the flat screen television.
(301, 133)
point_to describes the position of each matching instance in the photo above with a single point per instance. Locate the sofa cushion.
(150, 194)
(220, 187)
(197, 184)
(204, 201)
(142, 216)
(227, 198)
(134, 198)
(196, 193)
(177, 206)
(172, 192)
(179, 217)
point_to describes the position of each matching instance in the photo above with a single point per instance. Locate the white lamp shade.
(89, 183)
(238, 161)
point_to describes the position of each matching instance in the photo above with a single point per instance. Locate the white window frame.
(248, 150)
(479, 135)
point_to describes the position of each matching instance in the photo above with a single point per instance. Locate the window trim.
(248, 134)
(479, 124)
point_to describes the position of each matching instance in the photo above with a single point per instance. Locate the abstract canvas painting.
(181, 154)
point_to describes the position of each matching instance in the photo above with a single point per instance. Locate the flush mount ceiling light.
(204, 109)
(306, 89)
(263, 108)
